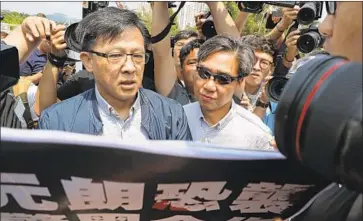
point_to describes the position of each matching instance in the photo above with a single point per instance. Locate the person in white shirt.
(223, 62)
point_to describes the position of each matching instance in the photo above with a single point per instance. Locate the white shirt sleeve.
(32, 90)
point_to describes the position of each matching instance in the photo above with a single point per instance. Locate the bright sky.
(71, 9)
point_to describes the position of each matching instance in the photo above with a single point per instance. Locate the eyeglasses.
(120, 58)
(221, 79)
(264, 64)
(331, 7)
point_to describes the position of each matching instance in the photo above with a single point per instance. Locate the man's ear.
(270, 72)
(86, 61)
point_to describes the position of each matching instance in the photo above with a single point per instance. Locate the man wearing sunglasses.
(113, 43)
(222, 63)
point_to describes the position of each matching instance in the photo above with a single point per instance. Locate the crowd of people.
(205, 90)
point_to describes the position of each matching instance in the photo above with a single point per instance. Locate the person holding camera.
(25, 38)
(113, 43)
(326, 125)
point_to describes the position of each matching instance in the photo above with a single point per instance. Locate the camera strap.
(165, 32)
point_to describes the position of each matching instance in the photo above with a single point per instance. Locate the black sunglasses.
(221, 79)
(331, 7)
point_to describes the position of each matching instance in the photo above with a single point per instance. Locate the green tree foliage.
(192, 28)
(255, 25)
(146, 18)
(232, 9)
(13, 17)
(175, 27)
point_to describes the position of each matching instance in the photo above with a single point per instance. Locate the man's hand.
(288, 16)
(68, 70)
(35, 28)
(199, 21)
(120, 5)
(240, 93)
(264, 96)
(57, 41)
(291, 43)
(245, 102)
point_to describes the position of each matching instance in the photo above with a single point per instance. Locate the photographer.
(342, 28)
(289, 15)
(25, 38)
(266, 108)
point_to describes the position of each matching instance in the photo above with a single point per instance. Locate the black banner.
(58, 176)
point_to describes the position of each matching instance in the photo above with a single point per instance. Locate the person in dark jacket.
(114, 43)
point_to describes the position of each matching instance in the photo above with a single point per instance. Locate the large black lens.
(208, 29)
(255, 6)
(319, 119)
(307, 13)
(71, 39)
(275, 87)
(306, 43)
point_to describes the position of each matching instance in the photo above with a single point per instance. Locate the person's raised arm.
(241, 20)
(164, 68)
(223, 21)
(47, 89)
(27, 36)
(288, 16)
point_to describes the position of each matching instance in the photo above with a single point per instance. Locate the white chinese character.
(277, 206)
(108, 217)
(23, 194)
(262, 198)
(249, 219)
(295, 187)
(179, 218)
(180, 197)
(262, 187)
(127, 195)
(83, 194)
(29, 217)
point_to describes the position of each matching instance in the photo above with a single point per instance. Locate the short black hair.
(186, 49)
(219, 43)
(185, 34)
(108, 23)
(260, 43)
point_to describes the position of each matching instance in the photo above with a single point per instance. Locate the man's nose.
(210, 85)
(326, 27)
(257, 66)
(128, 65)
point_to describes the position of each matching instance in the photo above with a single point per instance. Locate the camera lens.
(71, 38)
(306, 43)
(254, 6)
(275, 87)
(208, 29)
(307, 13)
(319, 118)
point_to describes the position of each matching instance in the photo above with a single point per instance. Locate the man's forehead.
(193, 54)
(121, 41)
(186, 40)
(263, 55)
